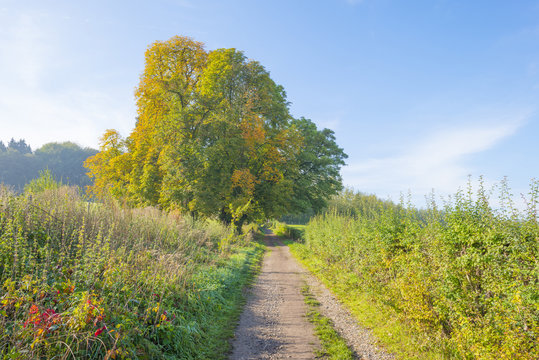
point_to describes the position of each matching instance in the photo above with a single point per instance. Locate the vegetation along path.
(273, 324)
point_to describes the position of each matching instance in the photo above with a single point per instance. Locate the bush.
(464, 276)
(45, 181)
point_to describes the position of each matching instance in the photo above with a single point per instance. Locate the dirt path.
(273, 324)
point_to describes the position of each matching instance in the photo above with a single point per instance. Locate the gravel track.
(358, 338)
(273, 324)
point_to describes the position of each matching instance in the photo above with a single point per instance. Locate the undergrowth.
(81, 280)
(457, 282)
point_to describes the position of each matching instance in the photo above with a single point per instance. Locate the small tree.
(45, 181)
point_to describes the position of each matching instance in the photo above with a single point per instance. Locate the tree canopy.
(19, 165)
(214, 137)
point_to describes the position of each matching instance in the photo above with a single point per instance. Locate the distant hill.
(19, 164)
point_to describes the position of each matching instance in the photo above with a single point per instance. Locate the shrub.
(464, 276)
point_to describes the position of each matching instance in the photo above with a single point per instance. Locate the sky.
(421, 94)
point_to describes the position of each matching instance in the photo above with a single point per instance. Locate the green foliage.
(65, 161)
(294, 232)
(464, 279)
(345, 202)
(301, 218)
(214, 137)
(17, 169)
(45, 181)
(18, 165)
(357, 204)
(19, 146)
(92, 280)
(319, 163)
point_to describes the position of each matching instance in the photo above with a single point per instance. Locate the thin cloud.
(436, 161)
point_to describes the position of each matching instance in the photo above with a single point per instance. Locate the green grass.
(333, 345)
(94, 281)
(295, 232)
(221, 323)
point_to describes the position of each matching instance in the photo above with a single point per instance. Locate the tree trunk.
(225, 217)
(239, 224)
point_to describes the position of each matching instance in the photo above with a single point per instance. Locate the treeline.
(463, 279)
(19, 164)
(354, 204)
(348, 203)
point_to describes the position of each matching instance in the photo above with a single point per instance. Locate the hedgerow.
(464, 277)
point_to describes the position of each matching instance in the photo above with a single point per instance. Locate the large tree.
(214, 137)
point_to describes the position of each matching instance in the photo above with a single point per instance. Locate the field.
(458, 282)
(98, 281)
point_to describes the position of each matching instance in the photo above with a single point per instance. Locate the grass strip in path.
(333, 345)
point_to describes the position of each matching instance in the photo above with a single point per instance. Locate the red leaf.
(100, 330)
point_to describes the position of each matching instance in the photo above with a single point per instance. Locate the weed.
(89, 280)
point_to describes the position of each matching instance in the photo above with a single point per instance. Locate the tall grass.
(463, 278)
(91, 281)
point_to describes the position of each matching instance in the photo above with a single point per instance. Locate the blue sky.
(421, 94)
